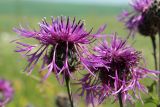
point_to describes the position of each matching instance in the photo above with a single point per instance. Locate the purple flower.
(6, 92)
(60, 45)
(118, 68)
(139, 19)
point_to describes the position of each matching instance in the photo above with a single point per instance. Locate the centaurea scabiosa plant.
(60, 45)
(156, 10)
(118, 69)
(6, 92)
(145, 19)
(139, 17)
(142, 19)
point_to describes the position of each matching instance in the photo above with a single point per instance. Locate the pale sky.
(90, 1)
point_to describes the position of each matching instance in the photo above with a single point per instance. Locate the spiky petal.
(137, 17)
(6, 92)
(118, 68)
(60, 45)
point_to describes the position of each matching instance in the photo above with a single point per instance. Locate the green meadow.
(28, 90)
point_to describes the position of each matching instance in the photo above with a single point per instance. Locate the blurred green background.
(29, 92)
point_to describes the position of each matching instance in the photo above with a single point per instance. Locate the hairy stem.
(120, 99)
(67, 79)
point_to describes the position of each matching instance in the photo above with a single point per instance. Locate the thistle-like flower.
(144, 17)
(118, 71)
(60, 45)
(6, 92)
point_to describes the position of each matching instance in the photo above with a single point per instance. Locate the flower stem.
(159, 74)
(154, 51)
(67, 79)
(120, 99)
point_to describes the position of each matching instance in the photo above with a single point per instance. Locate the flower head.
(6, 92)
(143, 18)
(118, 69)
(60, 44)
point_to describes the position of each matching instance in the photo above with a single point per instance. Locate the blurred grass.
(28, 89)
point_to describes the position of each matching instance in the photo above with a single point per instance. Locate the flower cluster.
(144, 17)
(114, 69)
(118, 70)
(60, 45)
(6, 92)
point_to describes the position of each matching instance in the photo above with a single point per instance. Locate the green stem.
(69, 90)
(154, 51)
(159, 74)
(120, 99)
